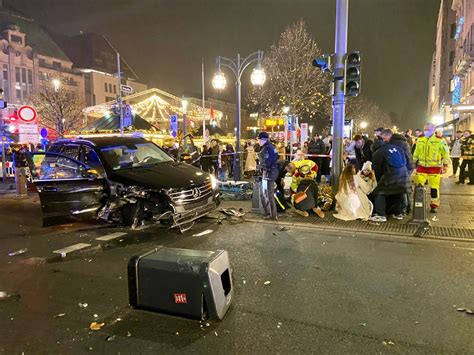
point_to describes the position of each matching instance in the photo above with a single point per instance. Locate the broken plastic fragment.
(18, 252)
(206, 232)
(82, 305)
(267, 283)
(284, 229)
(96, 326)
(110, 338)
(59, 315)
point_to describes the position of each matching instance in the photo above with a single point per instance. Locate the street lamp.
(437, 120)
(363, 125)
(257, 78)
(311, 131)
(184, 105)
(56, 84)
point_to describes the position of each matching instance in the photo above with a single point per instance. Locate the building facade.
(463, 73)
(95, 57)
(440, 88)
(29, 58)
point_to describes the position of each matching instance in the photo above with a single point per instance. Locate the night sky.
(164, 40)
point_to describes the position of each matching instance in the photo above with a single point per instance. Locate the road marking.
(111, 236)
(71, 248)
(142, 227)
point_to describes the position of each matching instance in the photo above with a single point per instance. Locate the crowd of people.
(378, 177)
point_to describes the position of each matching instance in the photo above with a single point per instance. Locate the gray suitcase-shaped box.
(182, 282)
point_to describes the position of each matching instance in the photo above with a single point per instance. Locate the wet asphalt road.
(328, 293)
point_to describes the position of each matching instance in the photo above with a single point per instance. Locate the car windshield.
(134, 155)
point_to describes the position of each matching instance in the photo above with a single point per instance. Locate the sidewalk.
(455, 217)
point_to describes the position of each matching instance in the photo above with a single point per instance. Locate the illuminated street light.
(311, 131)
(219, 81)
(56, 84)
(438, 119)
(257, 78)
(286, 109)
(363, 125)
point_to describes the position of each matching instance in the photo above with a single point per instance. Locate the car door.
(67, 188)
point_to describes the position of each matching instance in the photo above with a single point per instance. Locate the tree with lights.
(58, 107)
(292, 80)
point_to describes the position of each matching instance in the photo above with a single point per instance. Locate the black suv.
(120, 179)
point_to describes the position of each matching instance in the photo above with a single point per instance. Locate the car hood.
(162, 176)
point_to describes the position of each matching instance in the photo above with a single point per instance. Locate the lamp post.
(184, 105)
(238, 66)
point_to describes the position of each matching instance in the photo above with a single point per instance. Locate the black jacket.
(364, 154)
(391, 170)
(316, 147)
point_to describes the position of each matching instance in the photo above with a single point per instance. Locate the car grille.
(187, 197)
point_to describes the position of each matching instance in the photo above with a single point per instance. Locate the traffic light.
(323, 63)
(352, 74)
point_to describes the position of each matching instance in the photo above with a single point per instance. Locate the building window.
(16, 39)
(452, 32)
(17, 75)
(6, 88)
(42, 62)
(110, 88)
(115, 89)
(105, 87)
(57, 66)
(451, 58)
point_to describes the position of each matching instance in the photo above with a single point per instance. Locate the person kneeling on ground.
(304, 188)
(351, 197)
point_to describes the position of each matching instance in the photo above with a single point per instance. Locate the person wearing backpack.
(393, 180)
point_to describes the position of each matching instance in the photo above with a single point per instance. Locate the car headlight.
(213, 182)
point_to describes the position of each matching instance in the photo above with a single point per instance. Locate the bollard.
(419, 206)
(256, 202)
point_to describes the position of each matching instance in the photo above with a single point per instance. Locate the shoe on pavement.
(433, 210)
(302, 213)
(377, 218)
(470, 183)
(318, 212)
(459, 182)
(398, 216)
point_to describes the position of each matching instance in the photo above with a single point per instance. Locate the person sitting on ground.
(304, 189)
(351, 197)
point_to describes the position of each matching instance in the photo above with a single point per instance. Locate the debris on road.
(129, 334)
(233, 212)
(33, 261)
(59, 315)
(206, 232)
(82, 305)
(435, 219)
(215, 333)
(96, 316)
(110, 338)
(284, 229)
(363, 324)
(279, 324)
(18, 252)
(5, 296)
(96, 326)
(389, 342)
(267, 283)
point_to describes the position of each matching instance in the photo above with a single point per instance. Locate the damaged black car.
(126, 180)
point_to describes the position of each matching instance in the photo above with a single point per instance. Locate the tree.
(360, 109)
(58, 107)
(292, 80)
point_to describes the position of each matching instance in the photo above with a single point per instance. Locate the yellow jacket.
(431, 152)
(298, 174)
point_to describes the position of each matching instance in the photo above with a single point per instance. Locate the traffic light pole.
(342, 7)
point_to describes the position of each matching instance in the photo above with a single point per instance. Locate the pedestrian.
(304, 190)
(418, 134)
(317, 148)
(326, 163)
(388, 136)
(362, 150)
(268, 158)
(221, 164)
(281, 202)
(393, 180)
(206, 161)
(351, 197)
(305, 147)
(230, 156)
(456, 152)
(20, 163)
(467, 155)
(409, 137)
(214, 152)
(378, 133)
(432, 159)
(250, 161)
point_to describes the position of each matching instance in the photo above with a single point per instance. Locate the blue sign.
(174, 125)
(44, 132)
(289, 126)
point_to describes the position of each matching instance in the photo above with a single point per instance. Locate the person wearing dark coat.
(362, 150)
(393, 180)
(268, 165)
(317, 147)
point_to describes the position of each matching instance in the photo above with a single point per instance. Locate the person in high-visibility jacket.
(432, 159)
